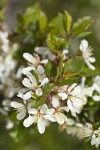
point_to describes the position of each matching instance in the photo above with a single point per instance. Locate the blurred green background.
(52, 139)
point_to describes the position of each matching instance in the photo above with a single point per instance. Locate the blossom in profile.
(87, 54)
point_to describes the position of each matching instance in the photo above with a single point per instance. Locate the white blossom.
(37, 116)
(22, 108)
(87, 54)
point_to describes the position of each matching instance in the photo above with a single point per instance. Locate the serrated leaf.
(74, 65)
(50, 69)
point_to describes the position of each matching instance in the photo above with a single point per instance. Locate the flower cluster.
(56, 102)
(48, 84)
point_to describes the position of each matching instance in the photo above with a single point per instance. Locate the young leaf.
(82, 25)
(74, 65)
(61, 24)
(68, 21)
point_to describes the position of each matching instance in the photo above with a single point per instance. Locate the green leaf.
(68, 21)
(42, 21)
(47, 89)
(61, 24)
(74, 65)
(32, 14)
(89, 73)
(83, 34)
(69, 81)
(82, 25)
(51, 69)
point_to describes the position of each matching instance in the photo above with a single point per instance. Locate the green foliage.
(50, 68)
(74, 65)
(64, 23)
(56, 44)
(81, 26)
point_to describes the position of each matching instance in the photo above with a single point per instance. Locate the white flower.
(22, 108)
(92, 134)
(75, 98)
(25, 96)
(75, 130)
(35, 63)
(86, 91)
(31, 83)
(37, 116)
(57, 115)
(87, 54)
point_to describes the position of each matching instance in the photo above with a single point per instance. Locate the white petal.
(45, 81)
(63, 95)
(90, 65)
(64, 108)
(92, 59)
(43, 109)
(84, 45)
(60, 117)
(50, 118)
(50, 111)
(29, 58)
(21, 114)
(27, 69)
(31, 78)
(32, 111)
(16, 104)
(71, 107)
(29, 121)
(72, 87)
(96, 98)
(40, 69)
(27, 95)
(39, 92)
(26, 82)
(45, 61)
(41, 125)
(55, 102)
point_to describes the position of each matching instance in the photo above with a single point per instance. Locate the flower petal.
(26, 82)
(29, 121)
(40, 69)
(29, 58)
(41, 125)
(21, 114)
(32, 111)
(63, 95)
(15, 104)
(39, 92)
(45, 81)
(43, 109)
